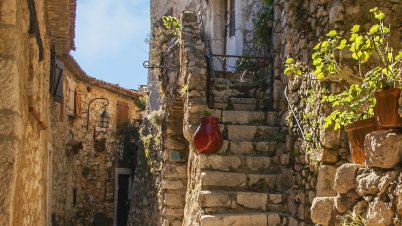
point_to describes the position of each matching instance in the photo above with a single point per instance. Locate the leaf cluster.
(359, 65)
(262, 31)
(172, 25)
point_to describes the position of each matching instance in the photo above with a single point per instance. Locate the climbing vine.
(263, 23)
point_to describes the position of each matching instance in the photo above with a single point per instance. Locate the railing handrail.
(293, 113)
(237, 56)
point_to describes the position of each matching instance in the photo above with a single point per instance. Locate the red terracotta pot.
(208, 137)
(357, 132)
(386, 109)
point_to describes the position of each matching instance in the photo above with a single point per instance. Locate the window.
(56, 77)
(121, 113)
(231, 13)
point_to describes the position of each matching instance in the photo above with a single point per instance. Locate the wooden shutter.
(121, 113)
(56, 77)
(77, 104)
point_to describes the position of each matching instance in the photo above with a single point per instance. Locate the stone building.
(263, 175)
(58, 166)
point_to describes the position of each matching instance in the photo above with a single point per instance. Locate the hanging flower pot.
(357, 131)
(208, 137)
(386, 109)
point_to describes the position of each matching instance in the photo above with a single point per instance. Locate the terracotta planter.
(357, 131)
(208, 137)
(386, 109)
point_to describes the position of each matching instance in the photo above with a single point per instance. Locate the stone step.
(244, 164)
(237, 103)
(219, 180)
(249, 118)
(245, 219)
(216, 201)
(253, 133)
(267, 148)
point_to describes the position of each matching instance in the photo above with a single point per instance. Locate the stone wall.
(298, 25)
(368, 194)
(24, 140)
(38, 134)
(79, 168)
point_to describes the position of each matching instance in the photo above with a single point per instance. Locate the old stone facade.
(54, 170)
(87, 158)
(257, 178)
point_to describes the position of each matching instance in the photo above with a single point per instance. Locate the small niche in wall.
(100, 145)
(74, 197)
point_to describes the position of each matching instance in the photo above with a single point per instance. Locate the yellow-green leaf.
(374, 29)
(355, 28)
(331, 33)
(289, 60)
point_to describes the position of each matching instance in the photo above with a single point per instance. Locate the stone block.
(336, 13)
(371, 181)
(214, 199)
(252, 200)
(249, 219)
(265, 146)
(328, 156)
(330, 138)
(325, 181)
(176, 200)
(8, 12)
(243, 117)
(277, 198)
(379, 213)
(173, 184)
(345, 178)
(269, 181)
(172, 212)
(258, 163)
(214, 178)
(219, 162)
(245, 147)
(272, 118)
(241, 132)
(383, 148)
(175, 171)
(345, 202)
(274, 219)
(322, 210)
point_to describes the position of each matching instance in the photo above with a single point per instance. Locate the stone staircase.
(244, 184)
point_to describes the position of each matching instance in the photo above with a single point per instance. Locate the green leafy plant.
(350, 219)
(129, 137)
(172, 24)
(358, 66)
(207, 113)
(263, 19)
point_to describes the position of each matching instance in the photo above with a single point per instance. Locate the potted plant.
(366, 71)
(208, 138)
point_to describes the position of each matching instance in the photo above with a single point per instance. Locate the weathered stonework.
(83, 180)
(44, 146)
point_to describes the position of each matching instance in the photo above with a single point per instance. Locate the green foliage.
(141, 102)
(350, 219)
(207, 113)
(129, 137)
(156, 118)
(172, 24)
(359, 66)
(263, 31)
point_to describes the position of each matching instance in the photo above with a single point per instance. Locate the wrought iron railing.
(210, 66)
(245, 66)
(249, 68)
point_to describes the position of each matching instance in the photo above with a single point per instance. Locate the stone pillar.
(10, 104)
(194, 72)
